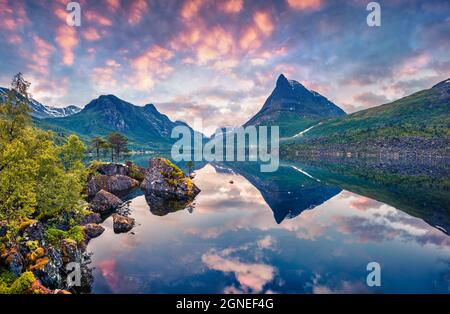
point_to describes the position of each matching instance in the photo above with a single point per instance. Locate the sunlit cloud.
(91, 34)
(232, 6)
(252, 277)
(138, 9)
(304, 4)
(151, 66)
(191, 8)
(67, 39)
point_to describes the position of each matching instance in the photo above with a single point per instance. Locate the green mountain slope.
(424, 114)
(144, 126)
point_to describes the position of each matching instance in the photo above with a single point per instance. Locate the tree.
(37, 178)
(118, 143)
(97, 144)
(73, 152)
(105, 148)
(14, 112)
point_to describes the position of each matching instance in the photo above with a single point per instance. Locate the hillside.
(420, 120)
(144, 126)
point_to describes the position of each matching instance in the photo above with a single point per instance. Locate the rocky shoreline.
(46, 258)
(407, 148)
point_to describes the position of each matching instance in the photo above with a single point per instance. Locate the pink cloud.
(66, 38)
(150, 65)
(364, 203)
(113, 5)
(264, 22)
(40, 56)
(250, 39)
(97, 18)
(304, 4)
(232, 6)
(12, 15)
(137, 11)
(190, 8)
(253, 276)
(91, 34)
(413, 65)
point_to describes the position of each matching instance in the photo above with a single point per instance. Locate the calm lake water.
(287, 232)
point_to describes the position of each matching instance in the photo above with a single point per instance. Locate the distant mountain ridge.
(41, 111)
(294, 108)
(143, 126)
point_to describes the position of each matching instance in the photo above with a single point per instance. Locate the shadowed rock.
(105, 202)
(93, 230)
(115, 184)
(165, 179)
(113, 169)
(122, 224)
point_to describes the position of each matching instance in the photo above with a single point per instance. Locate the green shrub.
(9, 284)
(135, 173)
(55, 236)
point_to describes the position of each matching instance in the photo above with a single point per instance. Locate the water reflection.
(231, 242)
(163, 205)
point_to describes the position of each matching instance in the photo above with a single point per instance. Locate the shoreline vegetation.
(52, 204)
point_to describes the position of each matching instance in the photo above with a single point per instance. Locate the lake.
(302, 229)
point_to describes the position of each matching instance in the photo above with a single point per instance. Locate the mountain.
(144, 126)
(41, 111)
(420, 120)
(294, 108)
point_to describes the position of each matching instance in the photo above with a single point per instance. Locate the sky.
(219, 59)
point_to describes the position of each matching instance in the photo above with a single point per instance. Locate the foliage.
(118, 144)
(55, 236)
(97, 144)
(11, 285)
(134, 172)
(37, 178)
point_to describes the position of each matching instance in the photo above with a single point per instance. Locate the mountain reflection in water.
(285, 232)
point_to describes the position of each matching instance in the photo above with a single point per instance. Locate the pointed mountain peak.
(282, 82)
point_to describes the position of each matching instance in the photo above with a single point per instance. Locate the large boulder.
(105, 202)
(116, 184)
(93, 230)
(163, 178)
(91, 218)
(122, 224)
(111, 169)
(32, 230)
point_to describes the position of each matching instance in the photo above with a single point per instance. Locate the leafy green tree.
(118, 144)
(97, 144)
(37, 178)
(73, 152)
